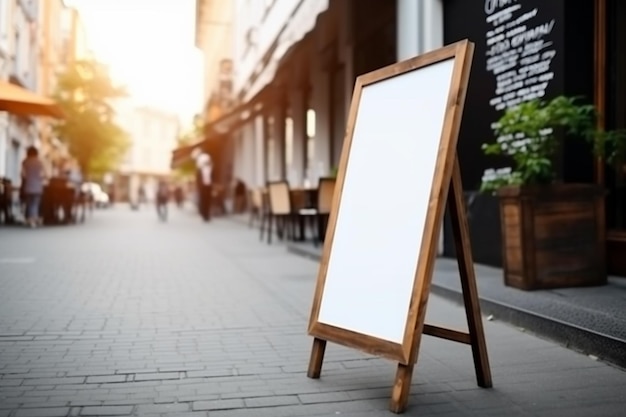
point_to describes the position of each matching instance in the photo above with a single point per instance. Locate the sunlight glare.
(149, 47)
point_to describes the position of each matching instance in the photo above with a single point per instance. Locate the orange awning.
(17, 100)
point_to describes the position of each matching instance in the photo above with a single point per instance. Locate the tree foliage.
(85, 92)
(187, 138)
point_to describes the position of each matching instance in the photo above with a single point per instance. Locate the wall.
(215, 39)
(25, 46)
(364, 39)
(153, 134)
(6, 27)
(22, 69)
(6, 9)
(74, 37)
(257, 24)
(50, 47)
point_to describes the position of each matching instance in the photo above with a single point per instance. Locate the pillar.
(346, 51)
(259, 153)
(420, 27)
(298, 104)
(278, 138)
(432, 24)
(265, 118)
(408, 35)
(320, 100)
(248, 152)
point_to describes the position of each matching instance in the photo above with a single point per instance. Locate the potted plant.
(553, 234)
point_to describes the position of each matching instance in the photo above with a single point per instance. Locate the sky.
(149, 47)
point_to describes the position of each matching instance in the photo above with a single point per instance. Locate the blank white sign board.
(398, 172)
(384, 202)
(391, 192)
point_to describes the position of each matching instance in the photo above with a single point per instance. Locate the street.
(129, 316)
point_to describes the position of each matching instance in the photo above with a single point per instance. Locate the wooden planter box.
(553, 236)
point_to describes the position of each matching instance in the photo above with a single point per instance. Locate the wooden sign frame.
(446, 183)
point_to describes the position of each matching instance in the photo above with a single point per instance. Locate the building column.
(278, 139)
(346, 52)
(408, 35)
(267, 174)
(249, 148)
(433, 25)
(420, 27)
(298, 106)
(320, 160)
(260, 172)
(243, 140)
(321, 99)
(234, 151)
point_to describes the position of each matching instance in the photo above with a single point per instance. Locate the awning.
(301, 22)
(17, 100)
(222, 126)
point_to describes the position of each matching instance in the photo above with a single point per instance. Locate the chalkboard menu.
(518, 57)
(519, 52)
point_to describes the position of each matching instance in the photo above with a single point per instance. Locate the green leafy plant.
(527, 133)
(86, 93)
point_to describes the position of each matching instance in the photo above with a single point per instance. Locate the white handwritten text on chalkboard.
(519, 55)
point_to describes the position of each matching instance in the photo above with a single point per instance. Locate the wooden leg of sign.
(460, 228)
(401, 388)
(317, 358)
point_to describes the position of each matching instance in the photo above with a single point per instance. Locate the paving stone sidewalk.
(127, 316)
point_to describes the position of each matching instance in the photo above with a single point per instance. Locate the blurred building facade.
(214, 36)
(6, 52)
(295, 63)
(62, 40)
(21, 69)
(74, 39)
(50, 53)
(294, 66)
(37, 39)
(153, 134)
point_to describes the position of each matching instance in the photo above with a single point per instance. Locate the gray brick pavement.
(125, 315)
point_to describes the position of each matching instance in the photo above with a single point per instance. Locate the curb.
(585, 341)
(582, 340)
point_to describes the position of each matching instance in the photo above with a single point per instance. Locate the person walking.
(162, 198)
(179, 196)
(142, 195)
(204, 185)
(33, 175)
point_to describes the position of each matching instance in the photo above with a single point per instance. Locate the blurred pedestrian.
(240, 193)
(143, 198)
(179, 195)
(75, 180)
(162, 198)
(33, 176)
(204, 169)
